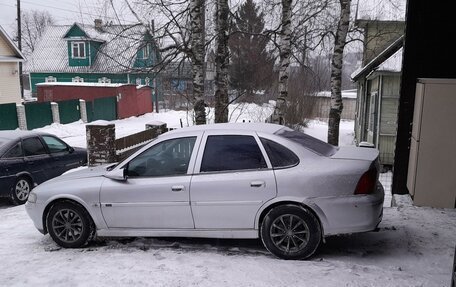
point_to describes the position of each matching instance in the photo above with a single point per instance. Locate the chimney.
(98, 24)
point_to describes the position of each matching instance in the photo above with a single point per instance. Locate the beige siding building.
(10, 56)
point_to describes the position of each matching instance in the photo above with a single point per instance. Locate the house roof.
(116, 54)
(18, 56)
(389, 59)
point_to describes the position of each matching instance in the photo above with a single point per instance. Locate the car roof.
(14, 134)
(256, 127)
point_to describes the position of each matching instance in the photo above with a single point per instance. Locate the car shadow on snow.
(358, 245)
(5, 203)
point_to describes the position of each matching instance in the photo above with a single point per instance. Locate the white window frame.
(138, 81)
(77, 79)
(77, 45)
(104, 80)
(146, 51)
(147, 81)
(50, 79)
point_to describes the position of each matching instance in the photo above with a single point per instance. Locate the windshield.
(309, 142)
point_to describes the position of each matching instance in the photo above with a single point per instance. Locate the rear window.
(309, 142)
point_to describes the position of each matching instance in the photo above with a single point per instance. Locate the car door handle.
(177, 188)
(257, 183)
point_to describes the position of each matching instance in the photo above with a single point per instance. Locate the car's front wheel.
(21, 190)
(291, 232)
(69, 225)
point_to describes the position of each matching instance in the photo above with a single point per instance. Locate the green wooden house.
(94, 53)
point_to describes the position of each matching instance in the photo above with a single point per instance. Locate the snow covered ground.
(414, 246)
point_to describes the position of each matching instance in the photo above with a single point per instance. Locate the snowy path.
(414, 247)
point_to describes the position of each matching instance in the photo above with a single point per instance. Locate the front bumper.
(351, 214)
(35, 212)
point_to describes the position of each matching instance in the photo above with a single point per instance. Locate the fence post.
(101, 147)
(83, 110)
(21, 117)
(55, 112)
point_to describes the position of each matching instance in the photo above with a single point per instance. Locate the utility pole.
(19, 44)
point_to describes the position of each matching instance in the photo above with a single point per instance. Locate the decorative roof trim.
(11, 44)
(374, 63)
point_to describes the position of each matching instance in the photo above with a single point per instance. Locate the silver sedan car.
(219, 181)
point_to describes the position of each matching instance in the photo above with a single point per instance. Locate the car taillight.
(367, 182)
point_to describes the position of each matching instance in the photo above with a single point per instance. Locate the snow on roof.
(387, 54)
(78, 84)
(381, 10)
(393, 63)
(346, 94)
(116, 55)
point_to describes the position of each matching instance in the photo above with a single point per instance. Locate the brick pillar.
(158, 127)
(21, 118)
(101, 148)
(83, 110)
(55, 112)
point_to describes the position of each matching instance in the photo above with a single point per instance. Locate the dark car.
(30, 158)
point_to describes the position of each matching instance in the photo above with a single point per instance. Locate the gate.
(105, 109)
(8, 118)
(69, 111)
(38, 115)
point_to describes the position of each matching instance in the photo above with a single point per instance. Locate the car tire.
(291, 232)
(21, 190)
(69, 225)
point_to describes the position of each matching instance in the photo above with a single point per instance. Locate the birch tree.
(336, 72)
(197, 57)
(221, 61)
(285, 53)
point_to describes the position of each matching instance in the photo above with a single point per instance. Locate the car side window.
(54, 144)
(15, 151)
(167, 158)
(33, 146)
(232, 152)
(279, 155)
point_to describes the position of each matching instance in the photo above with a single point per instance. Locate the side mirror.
(70, 149)
(119, 174)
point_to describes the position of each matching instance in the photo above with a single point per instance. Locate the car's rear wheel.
(291, 232)
(69, 225)
(21, 190)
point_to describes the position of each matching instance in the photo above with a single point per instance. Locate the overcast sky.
(63, 11)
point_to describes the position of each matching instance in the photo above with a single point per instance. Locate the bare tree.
(33, 24)
(336, 72)
(285, 53)
(221, 62)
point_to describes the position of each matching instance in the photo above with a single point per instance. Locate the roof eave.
(11, 43)
(385, 54)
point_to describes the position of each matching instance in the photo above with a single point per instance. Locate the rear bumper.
(351, 214)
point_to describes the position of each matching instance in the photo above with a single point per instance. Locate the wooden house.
(10, 57)
(94, 54)
(378, 80)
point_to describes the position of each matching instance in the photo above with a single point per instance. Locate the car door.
(36, 159)
(232, 180)
(11, 164)
(156, 192)
(61, 158)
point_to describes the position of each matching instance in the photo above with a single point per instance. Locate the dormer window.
(78, 50)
